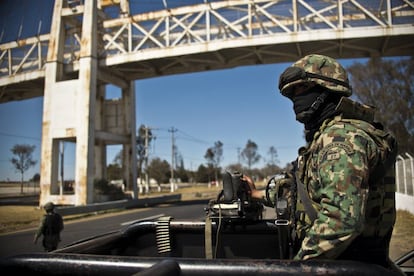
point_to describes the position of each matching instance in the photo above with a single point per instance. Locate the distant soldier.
(50, 228)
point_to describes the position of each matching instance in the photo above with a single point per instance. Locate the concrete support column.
(53, 73)
(130, 150)
(75, 111)
(88, 72)
(100, 146)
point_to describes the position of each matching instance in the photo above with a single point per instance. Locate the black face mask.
(306, 104)
(313, 107)
(303, 101)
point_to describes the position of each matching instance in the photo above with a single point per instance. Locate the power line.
(19, 136)
(187, 137)
(194, 138)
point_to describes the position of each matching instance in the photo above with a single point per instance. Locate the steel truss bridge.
(212, 35)
(93, 43)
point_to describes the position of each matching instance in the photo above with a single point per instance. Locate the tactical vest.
(52, 225)
(380, 209)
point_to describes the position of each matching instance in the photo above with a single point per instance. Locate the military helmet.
(49, 206)
(315, 69)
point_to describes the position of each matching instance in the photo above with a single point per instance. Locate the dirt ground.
(402, 239)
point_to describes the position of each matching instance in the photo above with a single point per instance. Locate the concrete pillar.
(100, 146)
(74, 111)
(130, 150)
(69, 109)
(53, 72)
(85, 131)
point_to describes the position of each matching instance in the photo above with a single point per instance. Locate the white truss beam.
(202, 34)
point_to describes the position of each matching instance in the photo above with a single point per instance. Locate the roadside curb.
(118, 204)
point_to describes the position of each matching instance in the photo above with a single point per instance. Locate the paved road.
(22, 242)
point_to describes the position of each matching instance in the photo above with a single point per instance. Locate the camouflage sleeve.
(340, 170)
(40, 228)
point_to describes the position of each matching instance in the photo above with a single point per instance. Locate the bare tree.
(388, 84)
(273, 156)
(214, 156)
(250, 154)
(23, 160)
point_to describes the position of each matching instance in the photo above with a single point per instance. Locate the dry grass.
(13, 218)
(402, 239)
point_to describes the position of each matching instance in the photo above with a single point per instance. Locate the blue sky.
(231, 106)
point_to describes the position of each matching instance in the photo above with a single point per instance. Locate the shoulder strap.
(207, 239)
(304, 197)
(300, 186)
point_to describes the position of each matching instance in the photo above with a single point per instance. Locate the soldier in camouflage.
(50, 228)
(347, 209)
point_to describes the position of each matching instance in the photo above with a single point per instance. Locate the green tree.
(144, 139)
(23, 160)
(143, 143)
(114, 171)
(182, 174)
(36, 177)
(159, 170)
(203, 174)
(250, 154)
(388, 84)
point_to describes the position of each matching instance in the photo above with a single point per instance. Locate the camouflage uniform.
(50, 228)
(355, 217)
(347, 172)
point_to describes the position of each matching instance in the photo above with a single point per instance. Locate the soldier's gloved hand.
(287, 181)
(272, 192)
(280, 186)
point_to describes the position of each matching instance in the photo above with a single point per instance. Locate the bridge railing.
(24, 55)
(232, 20)
(209, 24)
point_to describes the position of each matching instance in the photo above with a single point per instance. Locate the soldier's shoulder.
(344, 138)
(347, 130)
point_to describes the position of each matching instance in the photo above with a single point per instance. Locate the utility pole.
(172, 130)
(146, 161)
(148, 135)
